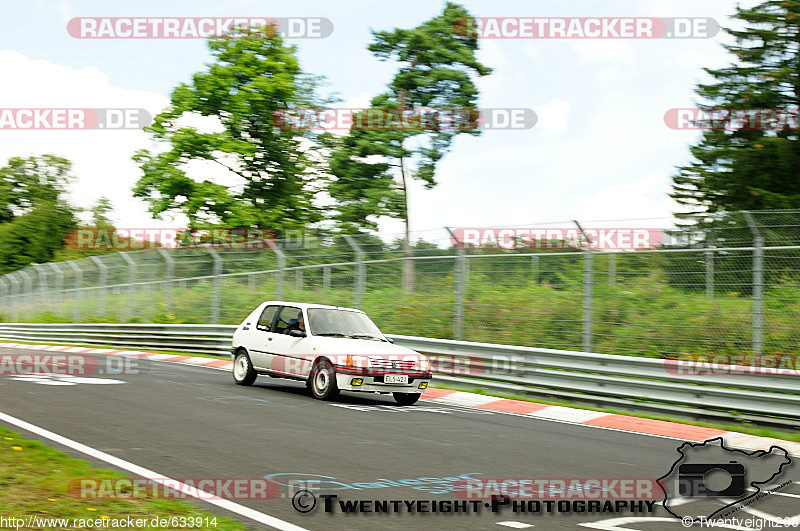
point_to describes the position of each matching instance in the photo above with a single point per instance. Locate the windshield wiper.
(331, 334)
(365, 336)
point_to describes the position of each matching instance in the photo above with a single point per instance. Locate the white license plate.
(396, 378)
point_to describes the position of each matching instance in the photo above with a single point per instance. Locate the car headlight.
(425, 364)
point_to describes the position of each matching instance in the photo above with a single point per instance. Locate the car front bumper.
(348, 380)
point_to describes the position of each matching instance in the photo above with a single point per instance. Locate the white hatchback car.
(328, 347)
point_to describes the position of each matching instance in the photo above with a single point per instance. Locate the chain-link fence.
(729, 285)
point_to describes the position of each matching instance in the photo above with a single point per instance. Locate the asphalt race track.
(190, 422)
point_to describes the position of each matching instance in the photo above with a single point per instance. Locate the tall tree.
(746, 168)
(436, 70)
(34, 213)
(248, 80)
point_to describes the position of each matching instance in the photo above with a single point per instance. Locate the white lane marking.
(61, 379)
(228, 505)
(515, 525)
(567, 413)
(467, 399)
(613, 524)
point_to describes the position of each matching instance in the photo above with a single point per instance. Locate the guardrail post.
(588, 292)
(76, 309)
(101, 303)
(215, 289)
(126, 312)
(459, 283)
(170, 275)
(326, 277)
(59, 298)
(758, 284)
(360, 282)
(15, 288)
(281, 272)
(612, 268)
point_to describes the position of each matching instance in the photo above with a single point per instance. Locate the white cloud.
(101, 159)
(553, 116)
(611, 50)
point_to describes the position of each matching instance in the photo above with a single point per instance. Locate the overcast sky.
(600, 150)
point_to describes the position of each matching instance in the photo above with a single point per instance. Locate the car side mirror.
(390, 340)
(297, 333)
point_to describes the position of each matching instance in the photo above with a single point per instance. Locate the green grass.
(35, 481)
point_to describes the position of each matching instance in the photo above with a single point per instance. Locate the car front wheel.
(406, 399)
(323, 381)
(243, 372)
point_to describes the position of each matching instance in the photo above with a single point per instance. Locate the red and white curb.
(518, 407)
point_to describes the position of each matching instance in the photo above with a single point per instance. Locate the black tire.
(243, 372)
(406, 399)
(323, 381)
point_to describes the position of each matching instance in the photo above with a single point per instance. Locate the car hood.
(361, 347)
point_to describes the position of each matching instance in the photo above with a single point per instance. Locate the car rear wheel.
(323, 381)
(243, 372)
(406, 399)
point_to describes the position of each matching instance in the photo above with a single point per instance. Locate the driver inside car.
(296, 324)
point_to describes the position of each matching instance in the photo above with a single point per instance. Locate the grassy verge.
(35, 481)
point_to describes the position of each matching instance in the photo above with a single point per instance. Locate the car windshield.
(341, 323)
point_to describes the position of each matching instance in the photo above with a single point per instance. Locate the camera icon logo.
(725, 480)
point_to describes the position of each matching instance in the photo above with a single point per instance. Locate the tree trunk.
(408, 264)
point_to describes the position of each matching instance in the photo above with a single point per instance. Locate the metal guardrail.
(622, 382)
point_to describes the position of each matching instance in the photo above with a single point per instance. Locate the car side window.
(265, 321)
(287, 319)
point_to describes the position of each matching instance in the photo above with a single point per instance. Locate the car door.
(261, 347)
(289, 351)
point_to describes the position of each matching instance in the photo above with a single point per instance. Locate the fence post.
(459, 283)
(709, 254)
(326, 277)
(15, 288)
(360, 281)
(59, 283)
(612, 268)
(126, 313)
(588, 291)
(170, 274)
(298, 279)
(215, 290)
(28, 281)
(758, 284)
(535, 268)
(101, 305)
(76, 309)
(281, 271)
(5, 298)
(43, 298)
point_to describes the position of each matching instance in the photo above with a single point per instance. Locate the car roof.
(306, 305)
